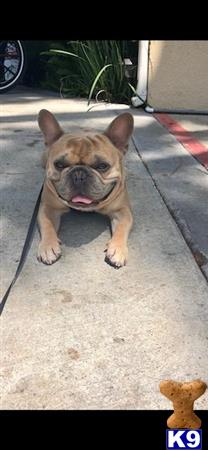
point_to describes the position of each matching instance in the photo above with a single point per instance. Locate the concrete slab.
(181, 180)
(79, 334)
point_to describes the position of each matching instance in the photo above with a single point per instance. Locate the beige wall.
(178, 74)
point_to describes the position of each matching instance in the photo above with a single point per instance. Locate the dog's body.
(85, 172)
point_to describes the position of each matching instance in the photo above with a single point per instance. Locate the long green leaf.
(63, 52)
(133, 89)
(95, 82)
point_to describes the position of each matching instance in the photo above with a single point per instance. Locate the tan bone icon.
(183, 396)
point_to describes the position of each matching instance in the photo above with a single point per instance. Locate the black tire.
(20, 63)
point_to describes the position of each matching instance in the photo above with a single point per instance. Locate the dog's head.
(86, 169)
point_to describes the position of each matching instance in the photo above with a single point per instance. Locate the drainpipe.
(140, 97)
(142, 75)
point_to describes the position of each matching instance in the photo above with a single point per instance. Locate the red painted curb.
(196, 148)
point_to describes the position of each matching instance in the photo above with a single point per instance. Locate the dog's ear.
(49, 126)
(120, 131)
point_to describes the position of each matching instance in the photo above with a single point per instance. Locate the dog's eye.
(59, 165)
(102, 167)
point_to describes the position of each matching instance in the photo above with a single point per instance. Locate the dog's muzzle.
(79, 175)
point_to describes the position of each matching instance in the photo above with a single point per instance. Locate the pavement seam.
(199, 257)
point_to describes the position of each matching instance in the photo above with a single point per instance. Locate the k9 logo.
(186, 439)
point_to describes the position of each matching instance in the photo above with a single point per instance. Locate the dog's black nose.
(79, 176)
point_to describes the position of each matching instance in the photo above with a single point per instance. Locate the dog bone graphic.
(183, 396)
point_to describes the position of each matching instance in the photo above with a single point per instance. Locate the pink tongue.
(81, 199)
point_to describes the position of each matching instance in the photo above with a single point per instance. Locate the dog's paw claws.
(49, 253)
(116, 256)
(111, 263)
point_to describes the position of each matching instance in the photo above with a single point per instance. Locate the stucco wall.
(178, 74)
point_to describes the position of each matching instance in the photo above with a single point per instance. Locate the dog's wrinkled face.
(86, 169)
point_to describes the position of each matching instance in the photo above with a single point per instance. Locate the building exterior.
(176, 74)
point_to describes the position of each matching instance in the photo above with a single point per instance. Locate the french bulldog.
(85, 171)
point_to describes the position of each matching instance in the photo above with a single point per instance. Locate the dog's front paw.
(116, 255)
(49, 251)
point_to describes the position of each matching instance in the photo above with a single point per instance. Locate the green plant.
(35, 66)
(93, 69)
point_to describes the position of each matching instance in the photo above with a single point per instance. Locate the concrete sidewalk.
(181, 180)
(79, 334)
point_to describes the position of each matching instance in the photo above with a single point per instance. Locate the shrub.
(93, 69)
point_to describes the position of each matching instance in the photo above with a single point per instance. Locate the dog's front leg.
(49, 247)
(117, 250)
